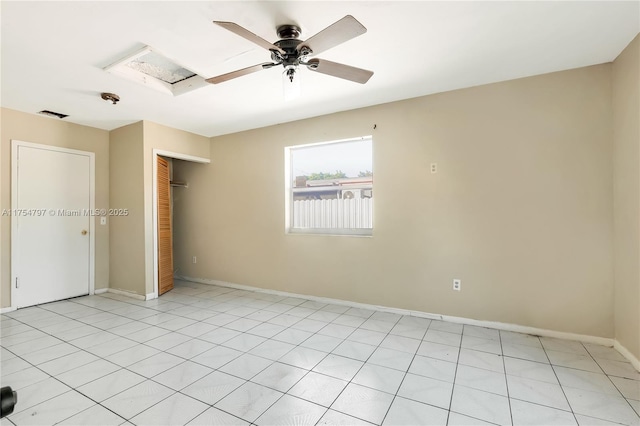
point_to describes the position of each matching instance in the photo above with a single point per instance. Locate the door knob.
(84, 232)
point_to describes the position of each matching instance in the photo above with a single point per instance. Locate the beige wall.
(126, 239)
(626, 196)
(171, 140)
(48, 131)
(520, 209)
(131, 149)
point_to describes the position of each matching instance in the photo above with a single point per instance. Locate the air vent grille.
(52, 114)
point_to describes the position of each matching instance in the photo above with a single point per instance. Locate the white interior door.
(52, 225)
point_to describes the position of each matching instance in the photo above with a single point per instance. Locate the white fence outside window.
(341, 213)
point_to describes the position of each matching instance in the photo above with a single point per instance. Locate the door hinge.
(17, 283)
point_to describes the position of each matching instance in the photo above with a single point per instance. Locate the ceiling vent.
(154, 70)
(52, 114)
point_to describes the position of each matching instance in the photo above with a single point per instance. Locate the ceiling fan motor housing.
(288, 31)
(291, 56)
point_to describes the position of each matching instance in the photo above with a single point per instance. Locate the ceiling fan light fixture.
(290, 83)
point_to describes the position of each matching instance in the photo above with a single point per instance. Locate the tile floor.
(204, 355)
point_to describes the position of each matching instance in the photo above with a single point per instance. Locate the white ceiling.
(53, 54)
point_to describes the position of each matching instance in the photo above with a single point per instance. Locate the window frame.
(289, 203)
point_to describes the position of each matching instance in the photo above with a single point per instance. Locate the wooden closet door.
(165, 239)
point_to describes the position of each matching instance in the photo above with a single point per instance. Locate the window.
(329, 187)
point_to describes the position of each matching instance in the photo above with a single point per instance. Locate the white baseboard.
(627, 354)
(605, 341)
(126, 293)
(11, 309)
(97, 291)
(305, 296)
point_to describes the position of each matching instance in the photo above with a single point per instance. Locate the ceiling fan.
(291, 52)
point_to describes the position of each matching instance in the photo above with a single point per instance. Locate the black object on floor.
(9, 399)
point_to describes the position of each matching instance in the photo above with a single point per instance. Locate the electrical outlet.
(195, 259)
(434, 167)
(457, 284)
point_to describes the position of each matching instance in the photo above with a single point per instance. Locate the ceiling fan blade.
(243, 32)
(335, 34)
(238, 73)
(339, 70)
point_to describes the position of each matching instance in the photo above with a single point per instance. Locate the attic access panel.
(157, 66)
(154, 70)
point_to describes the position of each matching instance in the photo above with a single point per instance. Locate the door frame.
(154, 191)
(15, 144)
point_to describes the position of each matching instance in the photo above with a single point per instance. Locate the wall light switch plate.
(103, 220)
